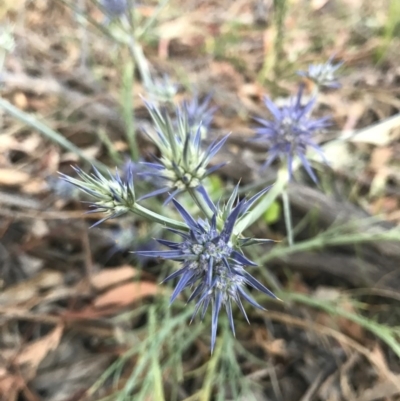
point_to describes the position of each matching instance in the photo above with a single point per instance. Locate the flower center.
(287, 133)
(211, 248)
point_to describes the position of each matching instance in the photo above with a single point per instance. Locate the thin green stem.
(250, 218)
(158, 389)
(129, 82)
(141, 62)
(331, 240)
(158, 218)
(135, 49)
(211, 373)
(287, 216)
(127, 107)
(280, 10)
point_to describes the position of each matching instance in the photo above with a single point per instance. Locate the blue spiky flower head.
(289, 133)
(183, 163)
(323, 75)
(212, 262)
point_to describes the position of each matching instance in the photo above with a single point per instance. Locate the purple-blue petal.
(185, 215)
(241, 259)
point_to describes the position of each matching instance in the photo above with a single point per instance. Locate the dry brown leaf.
(8, 142)
(271, 345)
(13, 177)
(276, 347)
(346, 326)
(51, 160)
(379, 134)
(20, 100)
(385, 204)
(32, 354)
(391, 384)
(125, 294)
(345, 376)
(349, 327)
(318, 4)
(382, 390)
(10, 385)
(108, 277)
(17, 294)
(182, 28)
(35, 186)
(8, 6)
(381, 157)
(27, 145)
(394, 216)
(27, 290)
(355, 111)
(380, 361)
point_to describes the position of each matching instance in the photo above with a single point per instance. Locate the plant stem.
(334, 240)
(250, 218)
(287, 216)
(127, 107)
(158, 218)
(158, 389)
(141, 62)
(211, 372)
(280, 10)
